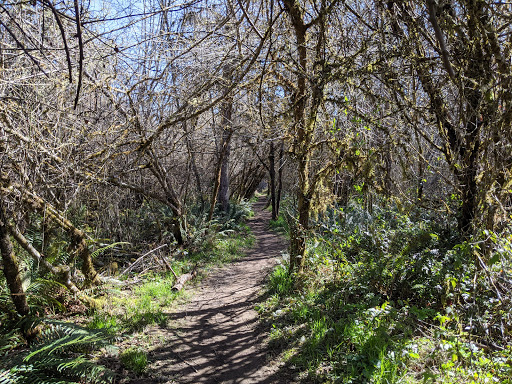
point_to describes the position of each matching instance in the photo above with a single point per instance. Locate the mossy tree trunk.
(221, 180)
(78, 238)
(272, 174)
(307, 99)
(11, 267)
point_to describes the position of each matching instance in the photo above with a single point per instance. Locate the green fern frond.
(63, 336)
(57, 356)
(28, 374)
(9, 341)
(41, 293)
(99, 251)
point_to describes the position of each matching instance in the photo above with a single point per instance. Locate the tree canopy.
(109, 109)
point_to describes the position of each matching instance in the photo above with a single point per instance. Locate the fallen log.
(180, 282)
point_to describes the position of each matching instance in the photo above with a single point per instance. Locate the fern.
(99, 251)
(235, 216)
(41, 294)
(57, 356)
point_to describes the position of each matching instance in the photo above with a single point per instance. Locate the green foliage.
(281, 282)
(49, 240)
(135, 360)
(280, 225)
(204, 234)
(395, 256)
(59, 354)
(102, 250)
(392, 298)
(147, 223)
(107, 323)
(234, 218)
(133, 310)
(43, 294)
(7, 309)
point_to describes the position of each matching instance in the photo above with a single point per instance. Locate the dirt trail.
(215, 336)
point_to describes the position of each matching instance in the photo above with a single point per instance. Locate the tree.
(315, 146)
(456, 52)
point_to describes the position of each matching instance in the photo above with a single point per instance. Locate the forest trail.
(216, 337)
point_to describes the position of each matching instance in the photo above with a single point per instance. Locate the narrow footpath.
(216, 337)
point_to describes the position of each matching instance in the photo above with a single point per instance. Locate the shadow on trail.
(214, 350)
(216, 337)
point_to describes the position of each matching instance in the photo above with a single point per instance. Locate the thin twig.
(141, 258)
(186, 362)
(23, 48)
(63, 34)
(81, 48)
(169, 266)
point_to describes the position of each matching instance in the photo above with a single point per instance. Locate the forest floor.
(216, 336)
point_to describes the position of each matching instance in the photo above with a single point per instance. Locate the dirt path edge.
(216, 336)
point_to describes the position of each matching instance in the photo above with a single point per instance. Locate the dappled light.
(271, 191)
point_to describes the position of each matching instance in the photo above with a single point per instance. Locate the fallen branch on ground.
(140, 259)
(180, 283)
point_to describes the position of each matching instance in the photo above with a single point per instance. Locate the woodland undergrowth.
(66, 341)
(394, 297)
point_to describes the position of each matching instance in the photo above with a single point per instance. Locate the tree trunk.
(224, 150)
(280, 178)
(178, 228)
(224, 168)
(303, 206)
(11, 267)
(272, 174)
(468, 182)
(301, 141)
(227, 132)
(193, 163)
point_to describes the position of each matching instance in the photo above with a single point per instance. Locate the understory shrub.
(390, 297)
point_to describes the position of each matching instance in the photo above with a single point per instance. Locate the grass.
(127, 309)
(280, 225)
(135, 360)
(226, 248)
(130, 309)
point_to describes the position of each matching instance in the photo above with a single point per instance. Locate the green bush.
(394, 298)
